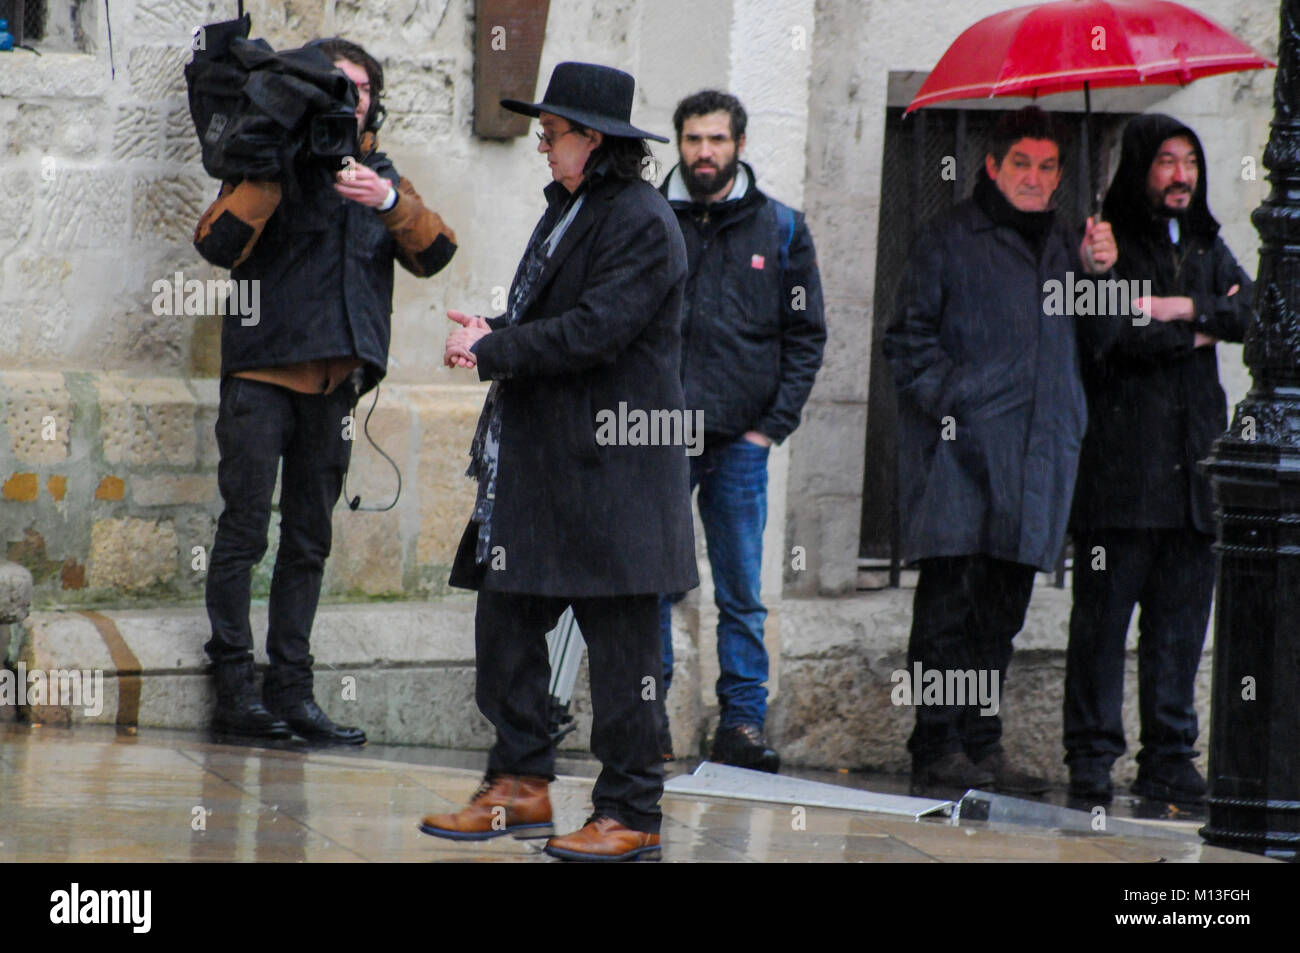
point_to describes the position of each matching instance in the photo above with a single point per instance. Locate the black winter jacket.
(1155, 405)
(574, 515)
(991, 410)
(749, 353)
(325, 265)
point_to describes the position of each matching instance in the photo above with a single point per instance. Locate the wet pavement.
(96, 794)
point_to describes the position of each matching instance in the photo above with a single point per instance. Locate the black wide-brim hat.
(599, 97)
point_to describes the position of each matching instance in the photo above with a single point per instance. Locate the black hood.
(1127, 207)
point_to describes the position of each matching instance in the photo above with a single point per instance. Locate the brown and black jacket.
(325, 265)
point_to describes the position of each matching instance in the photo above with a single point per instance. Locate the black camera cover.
(258, 112)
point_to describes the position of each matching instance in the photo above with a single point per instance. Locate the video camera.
(262, 114)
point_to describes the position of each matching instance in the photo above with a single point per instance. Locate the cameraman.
(288, 378)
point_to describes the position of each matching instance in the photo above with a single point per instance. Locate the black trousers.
(259, 426)
(1170, 574)
(966, 611)
(624, 657)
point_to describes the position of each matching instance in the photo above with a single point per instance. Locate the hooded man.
(1142, 512)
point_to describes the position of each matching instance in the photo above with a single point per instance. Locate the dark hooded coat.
(991, 410)
(1155, 405)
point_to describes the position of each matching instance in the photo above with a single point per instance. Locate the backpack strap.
(784, 227)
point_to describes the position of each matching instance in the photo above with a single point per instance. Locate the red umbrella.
(1078, 44)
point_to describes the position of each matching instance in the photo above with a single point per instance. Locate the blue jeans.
(732, 478)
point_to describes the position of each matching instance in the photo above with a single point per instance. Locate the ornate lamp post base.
(1254, 801)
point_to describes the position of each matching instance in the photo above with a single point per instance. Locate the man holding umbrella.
(990, 417)
(565, 516)
(1143, 514)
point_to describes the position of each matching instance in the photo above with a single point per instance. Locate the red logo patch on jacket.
(756, 262)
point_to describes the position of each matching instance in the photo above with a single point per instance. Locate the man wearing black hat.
(571, 512)
(1142, 519)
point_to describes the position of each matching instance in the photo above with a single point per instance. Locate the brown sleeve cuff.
(233, 223)
(425, 244)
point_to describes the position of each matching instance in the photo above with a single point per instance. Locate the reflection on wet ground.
(94, 794)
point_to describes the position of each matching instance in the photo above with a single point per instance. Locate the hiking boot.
(604, 839)
(505, 804)
(745, 747)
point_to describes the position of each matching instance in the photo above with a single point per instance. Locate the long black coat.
(1155, 404)
(602, 326)
(972, 348)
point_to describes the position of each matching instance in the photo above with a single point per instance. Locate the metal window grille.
(914, 190)
(26, 19)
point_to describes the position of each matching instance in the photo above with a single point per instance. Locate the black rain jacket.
(749, 355)
(1155, 405)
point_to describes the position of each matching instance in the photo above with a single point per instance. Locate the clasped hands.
(1177, 308)
(456, 352)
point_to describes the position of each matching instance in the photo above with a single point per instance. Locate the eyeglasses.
(550, 139)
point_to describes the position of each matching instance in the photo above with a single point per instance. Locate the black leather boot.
(305, 717)
(745, 747)
(239, 711)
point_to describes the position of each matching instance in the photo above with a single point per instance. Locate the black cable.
(354, 504)
(112, 67)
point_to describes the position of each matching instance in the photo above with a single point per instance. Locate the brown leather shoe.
(505, 804)
(604, 839)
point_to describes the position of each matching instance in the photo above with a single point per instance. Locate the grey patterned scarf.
(485, 449)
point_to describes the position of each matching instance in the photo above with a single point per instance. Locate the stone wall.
(107, 456)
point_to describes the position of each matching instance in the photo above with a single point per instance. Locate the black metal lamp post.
(1254, 801)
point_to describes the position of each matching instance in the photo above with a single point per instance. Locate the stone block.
(15, 222)
(826, 452)
(137, 132)
(131, 554)
(380, 19)
(146, 421)
(173, 489)
(446, 417)
(206, 398)
(366, 556)
(181, 144)
(837, 562)
(836, 709)
(20, 488)
(167, 19)
(166, 207)
(56, 77)
(15, 594)
(157, 72)
(158, 342)
(71, 129)
(290, 23)
(83, 209)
